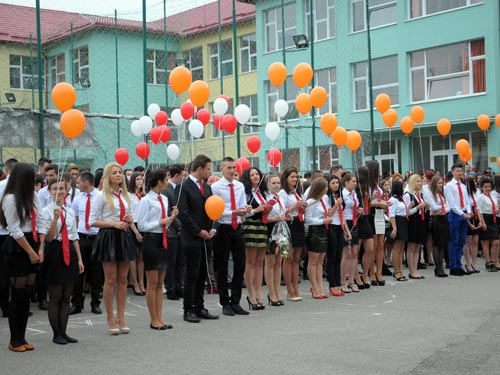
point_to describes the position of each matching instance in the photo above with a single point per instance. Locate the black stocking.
(67, 289)
(19, 305)
(55, 297)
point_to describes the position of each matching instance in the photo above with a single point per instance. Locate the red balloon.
(187, 110)
(164, 133)
(253, 144)
(154, 134)
(218, 122)
(226, 99)
(242, 164)
(121, 156)
(229, 123)
(161, 118)
(203, 115)
(274, 157)
(142, 150)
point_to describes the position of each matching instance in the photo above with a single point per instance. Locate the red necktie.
(139, 196)
(64, 239)
(386, 199)
(164, 227)
(354, 211)
(122, 206)
(461, 195)
(279, 202)
(262, 201)
(325, 211)
(419, 199)
(201, 187)
(367, 204)
(493, 210)
(443, 209)
(341, 215)
(234, 219)
(33, 225)
(475, 206)
(87, 212)
(300, 210)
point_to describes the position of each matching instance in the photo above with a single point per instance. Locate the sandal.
(400, 277)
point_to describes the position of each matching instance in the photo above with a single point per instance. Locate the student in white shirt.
(398, 214)
(473, 230)
(136, 272)
(439, 209)
(487, 209)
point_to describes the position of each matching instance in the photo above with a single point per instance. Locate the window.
(420, 8)
(327, 78)
(323, 18)
(23, 72)
(448, 71)
(159, 65)
(194, 61)
(251, 102)
(81, 64)
(274, 28)
(248, 53)
(326, 156)
(274, 94)
(290, 158)
(384, 79)
(226, 55)
(57, 66)
(382, 12)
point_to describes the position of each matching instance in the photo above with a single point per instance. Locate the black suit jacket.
(192, 212)
(174, 228)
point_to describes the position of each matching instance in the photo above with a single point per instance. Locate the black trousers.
(441, 238)
(93, 274)
(195, 273)
(228, 241)
(334, 255)
(4, 277)
(175, 266)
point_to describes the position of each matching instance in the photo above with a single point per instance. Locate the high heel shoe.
(252, 306)
(380, 282)
(360, 286)
(400, 277)
(139, 293)
(273, 303)
(123, 330)
(365, 284)
(319, 296)
(440, 274)
(345, 289)
(474, 269)
(336, 293)
(260, 305)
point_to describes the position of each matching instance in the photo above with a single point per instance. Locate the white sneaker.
(164, 289)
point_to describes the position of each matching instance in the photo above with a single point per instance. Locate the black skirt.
(114, 245)
(417, 229)
(354, 233)
(56, 270)
(17, 260)
(475, 222)
(154, 254)
(317, 239)
(401, 228)
(364, 227)
(491, 232)
(298, 233)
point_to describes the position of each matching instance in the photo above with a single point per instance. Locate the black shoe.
(204, 314)
(238, 310)
(59, 340)
(190, 316)
(159, 328)
(43, 305)
(252, 306)
(74, 310)
(30, 314)
(227, 310)
(5, 311)
(180, 293)
(172, 296)
(464, 272)
(456, 272)
(95, 310)
(70, 340)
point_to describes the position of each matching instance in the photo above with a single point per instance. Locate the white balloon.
(281, 108)
(176, 117)
(135, 128)
(272, 131)
(220, 106)
(242, 113)
(153, 110)
(145, 124)
(196, 128)
(173, 151)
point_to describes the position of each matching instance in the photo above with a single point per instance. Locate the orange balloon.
(199, 93)
(407, 125)
(63, 96)
(417, 113)
(318, 96)
(72, 123)
(180, 79)
(339, 136)
(214, 207)
(328, 123)
(468, 156)
(277, 73)
(498, 161)
(483, 122)
(462, 146)
(444, 126)
(497, 120)
(390, 117)
(303, 103)
(302, 75)
(354, 140)
(382, 102)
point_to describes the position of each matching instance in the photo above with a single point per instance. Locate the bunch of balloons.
(72, 120)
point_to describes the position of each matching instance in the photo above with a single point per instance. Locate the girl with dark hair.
(472, 240)
(385, 185)
(439, 224)
(398, 214)
(488, 208)
(429, 246)
(18, 209)
(136, 272)
(72, 191)
(364, 228)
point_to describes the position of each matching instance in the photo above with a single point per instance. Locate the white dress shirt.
(46, 216)
(67, 200)
(101, 210)
(336, 214)
(222, 189)
(134, 202)
(484, 204)
(453, 197)
(315, 214)
(3, 184)
(149, 212)
(289, 200)
(349, 199)
(13, 222)
(397, 208)
(435, 203)
(278, 209)
(412, 197)
(44, 197)
(79, 206)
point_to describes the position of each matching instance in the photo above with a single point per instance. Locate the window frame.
(31, 64)
(277, 28)
(253, 104)
(55, 75)
(215, 56)
(188, 59)
(248, 50)
(170, 56)
(326, 20)
(423, 6)
(78, 67)
(273, 91)
(388, 4)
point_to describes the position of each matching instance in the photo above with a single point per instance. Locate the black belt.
(87, 236)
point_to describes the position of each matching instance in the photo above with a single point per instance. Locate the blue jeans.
(458, 235)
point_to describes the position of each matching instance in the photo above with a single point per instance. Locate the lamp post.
(370, 82)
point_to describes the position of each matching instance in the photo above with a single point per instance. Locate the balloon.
(281, 108)
(121, 156)
(229, 123)
(242, 164)
(218, 122)
(274, 157)
(328, 123)
(417, 114)
(161, 118)
(145, 124)
(253, 144)
(302, 74)
(180, 79)
(318, 96)
(226, 98)
(407, 125)
(199, 93)
(204, 116)
(195, 128)
(339, 136)
(72, 123)
(142, 150)
(135, 129)
(153, 110)
(497, 120)
(242, 113)
(468, 156)
(187, 110)
(498, 161)
(177, 118)
(63, 96)
(354, 140)
(444, 126)
(272, 131)
(483, 122)
(220, 106)
(462, 146)
(303, 103)
(165, 133)
(382, 102)
(390, 117)
(155, 135)
(173, 151)
(214, 207)
(277, 73)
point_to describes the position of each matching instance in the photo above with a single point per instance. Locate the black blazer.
(174, 228)
(192, 212)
